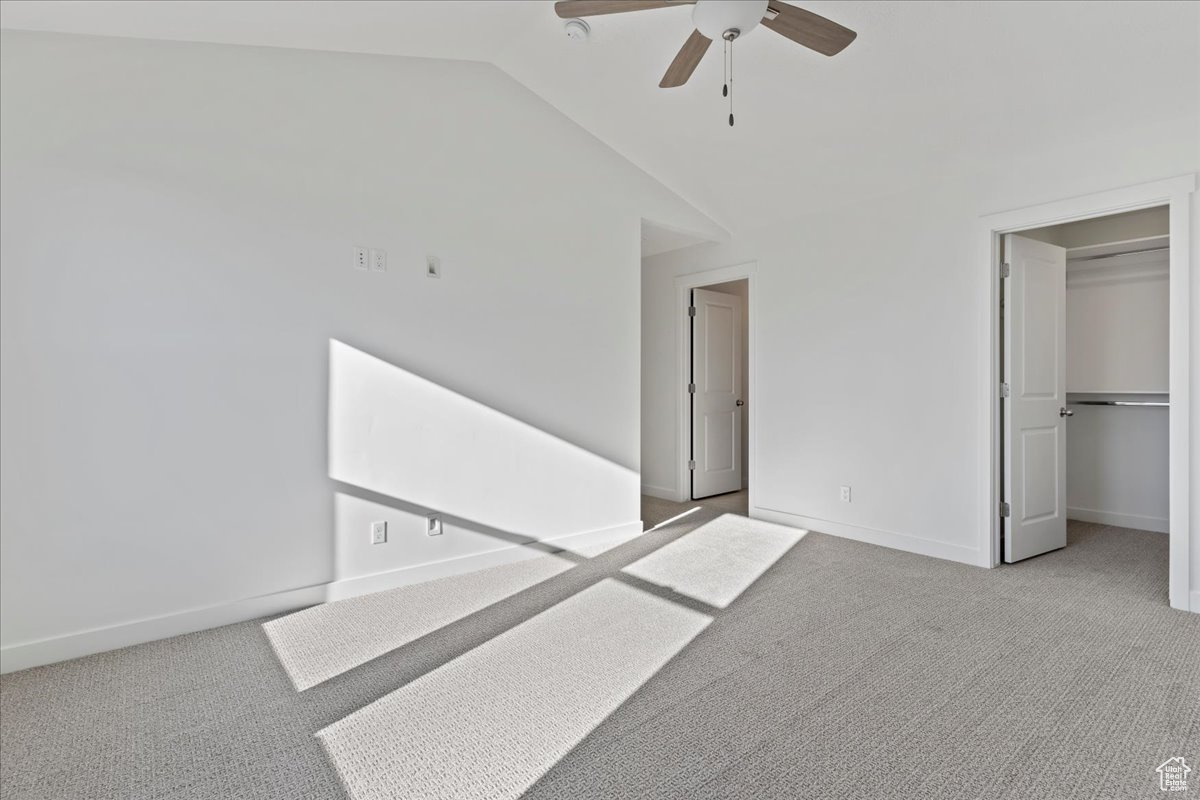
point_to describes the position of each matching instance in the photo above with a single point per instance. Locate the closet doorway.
(1084, 337)
(1088, 391)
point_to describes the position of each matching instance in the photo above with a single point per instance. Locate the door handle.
(741, 402)
(1065, 412)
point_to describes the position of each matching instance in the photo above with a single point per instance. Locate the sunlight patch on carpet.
(719, 560)
(324, 641)
(491, 722)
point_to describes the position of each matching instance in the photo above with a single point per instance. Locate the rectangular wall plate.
(378, 260)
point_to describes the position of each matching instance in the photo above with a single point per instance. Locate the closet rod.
(1116, 255)
(1143, 403)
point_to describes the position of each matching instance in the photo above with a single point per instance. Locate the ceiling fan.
(727, 20)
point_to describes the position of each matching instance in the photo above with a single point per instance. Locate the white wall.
(1117, 466)
(868, 332)
(660, 379)
(1117, 325)
(177, 228)
(1117, 348)
(1193, 439)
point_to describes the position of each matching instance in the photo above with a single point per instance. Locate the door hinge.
(691, 311)
(691, 388)
(1005, 509)
(692, 464)
(1005, 270)
(1004, 390)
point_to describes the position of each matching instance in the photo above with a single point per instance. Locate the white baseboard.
(591, 541)
(896, 541)
(1136, 521)
(24, 655)
(661, 492)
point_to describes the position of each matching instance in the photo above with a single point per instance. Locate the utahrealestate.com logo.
(1173, 775)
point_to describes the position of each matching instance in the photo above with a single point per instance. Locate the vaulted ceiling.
(927, 89)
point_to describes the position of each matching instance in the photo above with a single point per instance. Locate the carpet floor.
(713, 657)
(655, 511)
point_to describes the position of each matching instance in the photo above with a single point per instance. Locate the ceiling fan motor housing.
(716, 18)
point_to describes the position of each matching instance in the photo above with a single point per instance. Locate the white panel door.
(717, 400)
(1035, 348)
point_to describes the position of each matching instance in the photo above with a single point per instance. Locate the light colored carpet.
(718, 560)
(844, 670)
(493, 721)
(655, 511)
(324, 641)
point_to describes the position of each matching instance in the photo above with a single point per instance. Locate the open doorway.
(709, 463)
(1085, 357)
(1175, 194)
(697, 387)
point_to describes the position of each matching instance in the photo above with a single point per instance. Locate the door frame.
(1176, 194)
(683, 287)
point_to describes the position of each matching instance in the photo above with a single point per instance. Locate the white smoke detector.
(577, 30)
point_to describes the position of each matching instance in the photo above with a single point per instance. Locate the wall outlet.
(845, 494)
(433, 525)
(378, 532)
(359, 258)
(433, 266)
(378, 260)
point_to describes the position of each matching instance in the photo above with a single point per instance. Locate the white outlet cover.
(378, 260)
(378, 532)
(433, 525)
(845, 494)
(359, 258)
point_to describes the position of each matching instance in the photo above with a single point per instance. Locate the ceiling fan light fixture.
(715, 18)
(726, 20)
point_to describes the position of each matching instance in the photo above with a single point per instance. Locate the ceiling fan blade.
(809, 29)
(686, 61)
(569, 9)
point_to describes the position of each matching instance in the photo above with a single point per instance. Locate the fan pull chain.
(731, 84)
(727, 66)
(725, 69)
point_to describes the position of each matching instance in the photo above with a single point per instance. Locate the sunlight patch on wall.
(397, 434)
(494, 720)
